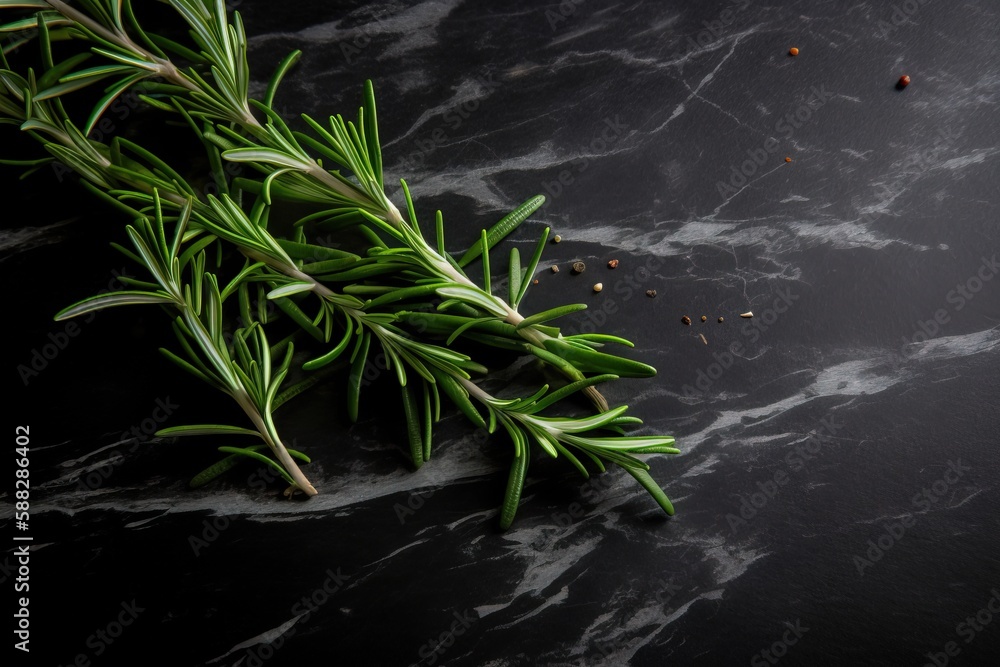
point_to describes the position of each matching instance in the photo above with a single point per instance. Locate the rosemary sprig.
(274, 149)
(398, 290)
(247, 376)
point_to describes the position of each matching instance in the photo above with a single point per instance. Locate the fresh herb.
(393, 290)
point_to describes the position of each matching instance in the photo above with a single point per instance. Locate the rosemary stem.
(274, 442)
(238, 392)
(165, 68)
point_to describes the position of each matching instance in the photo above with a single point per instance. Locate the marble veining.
(855, 410)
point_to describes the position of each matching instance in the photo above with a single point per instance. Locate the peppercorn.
(613, 264)
(651, 293)
(704, 318)
(555, 269)
(686, 320)
(579, 267)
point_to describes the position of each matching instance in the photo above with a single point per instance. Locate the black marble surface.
(835, 491)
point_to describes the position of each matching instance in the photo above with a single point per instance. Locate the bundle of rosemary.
(210, 256)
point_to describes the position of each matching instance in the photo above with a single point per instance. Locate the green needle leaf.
(514, 276)
(204, 429)
(319, 362)
(550, 314)
(653, 488)
(259, 457)
(503, 227)
(532, 266)
(290, 289)
(286, 64)
(122, 298)
(230, 462)
(473, 297)
(515, 484)
(356, 378)
(413, 431)
(371, 133)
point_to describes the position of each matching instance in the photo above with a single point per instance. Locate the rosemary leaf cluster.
(391, 286)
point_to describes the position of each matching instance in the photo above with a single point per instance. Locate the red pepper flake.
(904, 81)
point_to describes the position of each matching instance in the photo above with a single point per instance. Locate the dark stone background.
(852, 421)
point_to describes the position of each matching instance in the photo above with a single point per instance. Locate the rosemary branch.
(381, 293)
